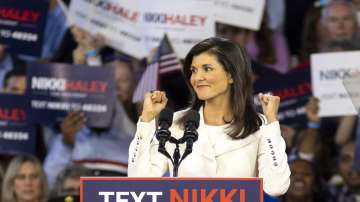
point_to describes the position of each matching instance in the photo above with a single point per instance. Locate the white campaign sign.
(242, 13)
(137, 26)
(185, 22)
(117, 20)
(352, 86)
(328, 71)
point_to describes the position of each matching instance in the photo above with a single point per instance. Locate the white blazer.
(215, 154)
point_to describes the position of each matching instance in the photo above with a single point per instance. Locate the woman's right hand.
(154, 102)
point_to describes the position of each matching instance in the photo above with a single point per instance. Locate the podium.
(169, 189)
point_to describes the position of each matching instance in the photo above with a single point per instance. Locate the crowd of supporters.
(320, 154)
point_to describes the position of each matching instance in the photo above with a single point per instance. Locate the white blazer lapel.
(227, 144)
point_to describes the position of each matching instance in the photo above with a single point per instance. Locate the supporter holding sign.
(121, 29)
(55, 89)
(136, 29)
(82, 47)
(328, 72)
(102, 148)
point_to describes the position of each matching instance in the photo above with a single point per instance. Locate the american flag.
(164, 61)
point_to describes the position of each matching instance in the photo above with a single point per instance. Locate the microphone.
(192, 120)
(162, 133)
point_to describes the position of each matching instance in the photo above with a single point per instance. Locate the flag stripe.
(166, 61)
(164, 57)
(169, 62)
(170, 69)
(148, 82)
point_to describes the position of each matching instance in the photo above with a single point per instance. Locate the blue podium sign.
(110, 189)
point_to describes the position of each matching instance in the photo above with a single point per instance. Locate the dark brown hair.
(236, 62)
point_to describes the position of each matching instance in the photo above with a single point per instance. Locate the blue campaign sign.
(56, 89)
(16, 135)
(171, 189)
(294, 90)
(22, 25)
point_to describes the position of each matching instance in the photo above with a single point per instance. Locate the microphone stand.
(190, 136)
(177, 157)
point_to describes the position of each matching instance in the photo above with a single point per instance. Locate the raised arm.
(144, 159)
(272, 159)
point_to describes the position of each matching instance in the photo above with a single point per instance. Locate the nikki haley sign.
(171, 189)
(22, 24)
(16, 135)
(136, 27)
(294, 90)
(328, 71)
(56, 89)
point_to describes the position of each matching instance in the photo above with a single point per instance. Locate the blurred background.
(73, 74)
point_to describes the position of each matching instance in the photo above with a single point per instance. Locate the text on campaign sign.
(171, 189)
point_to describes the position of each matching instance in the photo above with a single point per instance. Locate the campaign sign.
(136, 27)
(117, 20)
(185, 22)
(22, 25)
(16, 135)
(294, 90)
(352, 84)
(171, 189)
(56, 89)
(244, 13)
(328, 71)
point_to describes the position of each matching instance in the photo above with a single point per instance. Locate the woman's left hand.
(270, 105)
